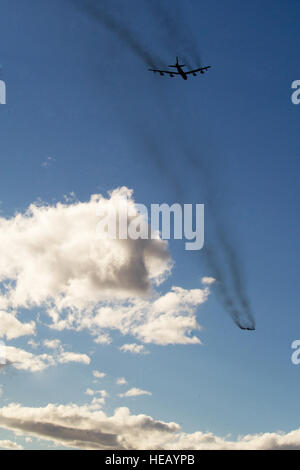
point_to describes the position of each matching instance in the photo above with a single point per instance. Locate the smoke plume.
(178, 38)
(221, 255)
(128, 37)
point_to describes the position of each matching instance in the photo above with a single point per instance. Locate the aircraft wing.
(163, 72)
(201, 70)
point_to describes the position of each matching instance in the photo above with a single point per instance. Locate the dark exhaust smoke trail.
(238, 279)
(178, 35)
(233, 295)
(94, 10)
(227, 267)
(221, 257)
(221, 288)
(230, 285)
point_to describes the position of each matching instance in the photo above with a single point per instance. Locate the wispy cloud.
(133, 348)
(25, 360)
(48, 162)
(121, 381)
(135, 392)
(98, 375)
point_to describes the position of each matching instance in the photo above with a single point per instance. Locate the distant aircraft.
(180, 72)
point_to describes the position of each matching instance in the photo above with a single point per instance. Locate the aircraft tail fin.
(177, 64)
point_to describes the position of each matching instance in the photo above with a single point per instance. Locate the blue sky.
(82, 115)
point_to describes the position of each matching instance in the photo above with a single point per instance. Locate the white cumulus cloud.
(51, 253)
(51, 258)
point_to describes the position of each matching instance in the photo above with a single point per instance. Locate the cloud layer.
(88, 427)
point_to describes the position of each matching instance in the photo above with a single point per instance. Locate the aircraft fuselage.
(181, 72)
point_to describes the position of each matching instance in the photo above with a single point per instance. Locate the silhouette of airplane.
(180, 71)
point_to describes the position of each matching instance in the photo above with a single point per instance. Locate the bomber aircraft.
(180, 70)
